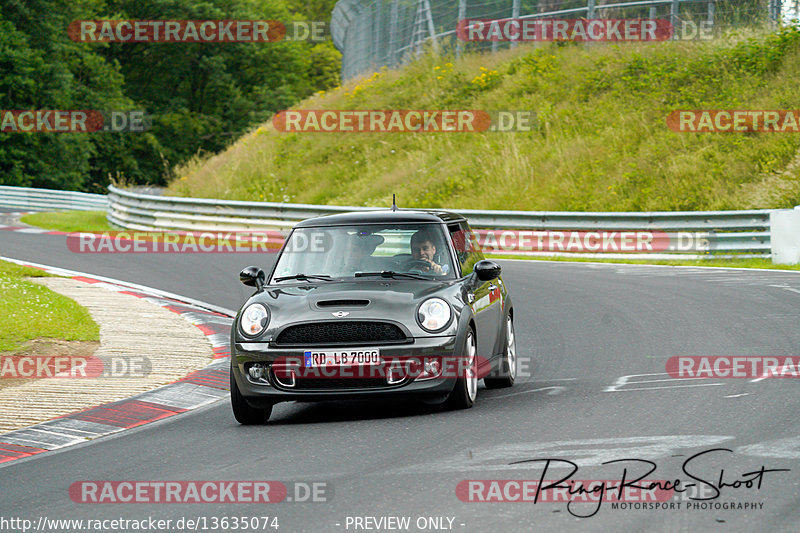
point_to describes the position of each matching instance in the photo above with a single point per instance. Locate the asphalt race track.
(593, 342)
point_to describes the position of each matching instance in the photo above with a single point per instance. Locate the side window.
(466, 245)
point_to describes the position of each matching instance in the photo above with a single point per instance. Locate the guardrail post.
(673, 18)
(431, 27)
(711, 8)
(462, 14)
(784, 230)
(515, 16)
(775, 11)
(376, 34)
(590, 9)
(393, 34)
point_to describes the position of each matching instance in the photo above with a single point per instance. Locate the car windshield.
(400, 251)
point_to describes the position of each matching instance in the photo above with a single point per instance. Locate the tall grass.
(600, 143)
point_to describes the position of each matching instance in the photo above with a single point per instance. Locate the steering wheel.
(417, 265)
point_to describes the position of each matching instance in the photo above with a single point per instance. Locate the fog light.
(257, 372)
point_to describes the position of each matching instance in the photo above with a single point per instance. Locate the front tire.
(244, 412)
(466, 389)
(507, 368)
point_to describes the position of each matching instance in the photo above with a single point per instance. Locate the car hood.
(383, 299)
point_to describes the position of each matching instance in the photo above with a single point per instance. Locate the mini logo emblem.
(340, 314)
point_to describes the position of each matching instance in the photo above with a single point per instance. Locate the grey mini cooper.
(394, 303)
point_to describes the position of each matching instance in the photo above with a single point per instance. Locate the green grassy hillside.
(601, 141)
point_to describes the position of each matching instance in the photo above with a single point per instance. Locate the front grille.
(342, 332)
(339, 383)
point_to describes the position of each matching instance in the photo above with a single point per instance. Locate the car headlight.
(254, 319)
(434, 314)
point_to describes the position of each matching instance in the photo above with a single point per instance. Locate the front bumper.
(271, 389)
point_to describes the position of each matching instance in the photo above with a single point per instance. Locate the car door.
(486, 296)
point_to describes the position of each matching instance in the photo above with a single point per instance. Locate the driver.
(423, 249)
(357, 252)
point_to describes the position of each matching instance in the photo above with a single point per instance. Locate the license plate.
(316, 359)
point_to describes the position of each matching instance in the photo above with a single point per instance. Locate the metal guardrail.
(139, 211)
(744, 233)
(30, 199)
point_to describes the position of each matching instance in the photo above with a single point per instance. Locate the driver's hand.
(433, 266)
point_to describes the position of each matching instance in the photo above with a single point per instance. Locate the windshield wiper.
(389, 274)
(304, 277)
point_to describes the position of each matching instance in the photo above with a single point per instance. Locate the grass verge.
(69, 221)
(31, 311)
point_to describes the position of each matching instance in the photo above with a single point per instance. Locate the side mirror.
(253, 276)
(487, 270)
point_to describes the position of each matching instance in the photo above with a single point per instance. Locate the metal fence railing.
(134, 210)
(682, 235)
(743, 233)
(375, 33)
(30, 199)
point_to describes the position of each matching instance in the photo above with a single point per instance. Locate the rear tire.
(507, 366)
(466, 389)
(243, 411)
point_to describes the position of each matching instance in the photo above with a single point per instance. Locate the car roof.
(382, 216)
